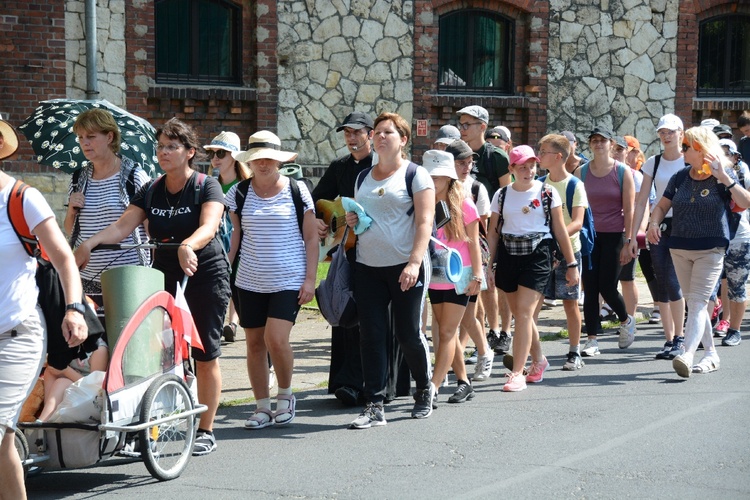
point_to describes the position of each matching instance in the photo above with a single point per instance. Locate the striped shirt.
(272, 256)
(103, 206)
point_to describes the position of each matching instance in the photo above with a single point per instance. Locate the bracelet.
(655, 224)
(187, 245)
(572, 264)
(478, 279)
(731, 185)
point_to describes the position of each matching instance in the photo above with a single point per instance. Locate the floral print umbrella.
(50, 132)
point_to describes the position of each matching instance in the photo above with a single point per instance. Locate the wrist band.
(478, 279)
(731, 185)
(186, 245)
(572, 264)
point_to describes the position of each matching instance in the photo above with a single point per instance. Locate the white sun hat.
(264, 145)
(228, 141)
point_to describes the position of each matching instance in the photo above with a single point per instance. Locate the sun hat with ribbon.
(228, 141)
(264, 145)
(10, 140)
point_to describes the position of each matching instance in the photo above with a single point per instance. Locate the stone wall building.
(299, 66)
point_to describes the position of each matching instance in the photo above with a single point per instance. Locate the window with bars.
(198, 41)
(475, 53)
(724, 57)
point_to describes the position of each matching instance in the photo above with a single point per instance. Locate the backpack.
(335, 294)
(487, 169)
(484, 246)
(51, 297)
(587, 234)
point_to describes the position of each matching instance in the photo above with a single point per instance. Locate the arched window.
(475, 53)
(724, 56)
(198, 41)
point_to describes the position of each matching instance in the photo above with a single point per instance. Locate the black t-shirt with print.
(176, 217)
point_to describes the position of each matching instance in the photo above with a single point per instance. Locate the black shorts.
(255, 308)
(450, 296)
(530, 271)
(627, 273)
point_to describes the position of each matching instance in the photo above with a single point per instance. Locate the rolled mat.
(447, 265)
(124, 289)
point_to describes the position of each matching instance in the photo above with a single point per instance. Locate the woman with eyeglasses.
(701, 196)
(230, 172)
(611, 190)
(185, 207)
(656, 172)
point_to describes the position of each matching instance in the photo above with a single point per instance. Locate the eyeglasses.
(542, 153)
(220, 154)
(169, 148)
(465, 126)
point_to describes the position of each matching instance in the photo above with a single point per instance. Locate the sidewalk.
(311, 342)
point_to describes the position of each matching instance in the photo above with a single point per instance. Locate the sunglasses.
(685, 147)
(220, 154)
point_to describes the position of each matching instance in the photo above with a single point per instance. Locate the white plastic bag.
(83, 401)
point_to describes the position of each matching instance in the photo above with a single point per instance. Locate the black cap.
(604, 132)
(620, 141)
(496, 133)
(570, 136)
(357, 121)
(459, 149)
(723, 129)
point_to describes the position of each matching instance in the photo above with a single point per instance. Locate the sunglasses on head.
(220, 154)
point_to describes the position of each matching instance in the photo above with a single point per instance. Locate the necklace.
(173, 204)
(695, 184)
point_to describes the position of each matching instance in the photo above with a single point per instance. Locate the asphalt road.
(626, 426)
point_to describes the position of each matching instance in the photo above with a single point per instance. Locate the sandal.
(707, 365)
(283, 416)
(262, 418)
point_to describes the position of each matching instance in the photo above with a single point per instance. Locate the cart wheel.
(166, 448)
(22, 447)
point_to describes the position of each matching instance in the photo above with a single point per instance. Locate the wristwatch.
(76, 306)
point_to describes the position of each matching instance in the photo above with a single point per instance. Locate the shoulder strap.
(130, 183)
(299, 204)
(569, 192)
(547, 204)
(199, 183)
(584, 170)
(76, 178)
(362, 176)
(150, 192)
(500, 204)
(680, 177)
(240, 194)
(18, 221)
(475, 190)
(411, 172)
(620, 173)
(657, 160)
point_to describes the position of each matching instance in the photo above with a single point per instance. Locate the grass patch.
(561, 335)
(322, 273)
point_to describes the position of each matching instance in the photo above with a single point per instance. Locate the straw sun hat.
(10, 140)
(264, 145)
(228, 141)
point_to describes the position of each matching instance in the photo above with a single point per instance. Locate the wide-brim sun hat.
(264, 145)
(439, 164)
(10, 140)
(228, 141)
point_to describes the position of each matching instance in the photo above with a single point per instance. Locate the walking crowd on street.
(484, 232)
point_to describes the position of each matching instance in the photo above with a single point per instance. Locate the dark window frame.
(504, 88)
(194, 75)
(707, 54)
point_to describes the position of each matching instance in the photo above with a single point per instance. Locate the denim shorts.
(558, 288)
(22, 351)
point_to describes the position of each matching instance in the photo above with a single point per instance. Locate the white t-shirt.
(18, 290)
(390, 237)
(667, 168)
(272, 255)
(523, 212)
(483, 199)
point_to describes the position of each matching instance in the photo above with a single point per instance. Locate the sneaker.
(205, 443)
(664, 353)
(655, 317)
(678, 347)
(516, 382)
(627, 333)
(549, 303)
(472, 359)
(590, 348)
(230, 331)
(721, 328)
(733, 338)
(536, 371)
(347, 395)
(574, 362)
(716, 314)
(423, 402)
(493, 339)
(464, 393)
(503, 344)
(580, 300)
(373, 416)
(683, 364)
(483, 370)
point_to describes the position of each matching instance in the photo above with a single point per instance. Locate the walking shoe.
(472, 359)
(678, 347)
(709, 363)
(483, 370)
(503, 344)
(205, 443)
(464, 393)
(574, 362)
(347, 395)
(493, 339)
(549, 303)
(536, 371)
(423, 402)
(716, 314)
(655, 317)
(733, 338)
(516, 382)
(590, 348)
(683, 365)
(664, 353)
(627, 333)
(373, 416)
(508, 363)
(721, 328)
(230, 332)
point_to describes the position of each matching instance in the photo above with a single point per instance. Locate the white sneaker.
(627, 333)
(483, 369)
(550, 302)
(590, 348)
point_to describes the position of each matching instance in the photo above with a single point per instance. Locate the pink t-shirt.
(605, 200)
(462, 247)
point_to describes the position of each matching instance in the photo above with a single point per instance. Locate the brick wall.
(525, 112)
